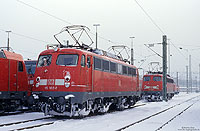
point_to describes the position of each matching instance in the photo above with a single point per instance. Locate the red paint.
(158, 84)
(83, 79)
(11, 78)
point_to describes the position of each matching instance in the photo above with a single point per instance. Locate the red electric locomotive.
(76, 81)
(13, 81)
(152, 86)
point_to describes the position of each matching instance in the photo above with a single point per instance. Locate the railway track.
(25, 121)
(158, 113)
(43, 122)
(15, 112)
(176, 116)
(39, 122)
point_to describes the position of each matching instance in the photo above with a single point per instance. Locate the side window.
(119, 71)
(133, 72)
(105, 65)
(2, 55)
(170, 80)
(88, 62)
(124, 68)
(97, 63)
(130, 70)
(83, 60)
(113, 67)
(20, 66)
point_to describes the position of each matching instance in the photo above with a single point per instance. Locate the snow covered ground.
(189, 120)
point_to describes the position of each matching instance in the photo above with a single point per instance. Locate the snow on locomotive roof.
(98, 52)
(157, 73)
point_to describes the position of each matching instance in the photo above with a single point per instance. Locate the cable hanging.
(53, 16)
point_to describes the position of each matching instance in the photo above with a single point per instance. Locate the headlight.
(38, 79)
(37, 84)
(67, 78)
(67, 84)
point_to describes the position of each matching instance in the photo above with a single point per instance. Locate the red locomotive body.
(14, 81)
(75, 82)
(152, 86)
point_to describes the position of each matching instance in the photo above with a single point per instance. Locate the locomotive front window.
(44, 60)
(147, 78)
(67, 60)
(156, 78)
(30, 66)
(30, 69)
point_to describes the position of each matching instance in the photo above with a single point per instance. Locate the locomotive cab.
(62, 75)
(62, 70)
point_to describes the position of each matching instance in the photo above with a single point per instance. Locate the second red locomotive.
(152, 86)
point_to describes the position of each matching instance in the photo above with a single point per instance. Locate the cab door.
(83, 72)
(89, 73)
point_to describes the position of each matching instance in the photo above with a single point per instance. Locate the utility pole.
(96, 32)
(190, 73)
(8, 44)
(187, 79)
(169, 57)
(132, 52)
(164, 67)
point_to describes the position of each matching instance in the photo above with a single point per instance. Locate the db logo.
(50, 81)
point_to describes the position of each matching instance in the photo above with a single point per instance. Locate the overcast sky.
(118, 19)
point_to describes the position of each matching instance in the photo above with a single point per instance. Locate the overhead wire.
(43, 12)
(25, 36)
(152, 20)
(53, 16)
(159, 28)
